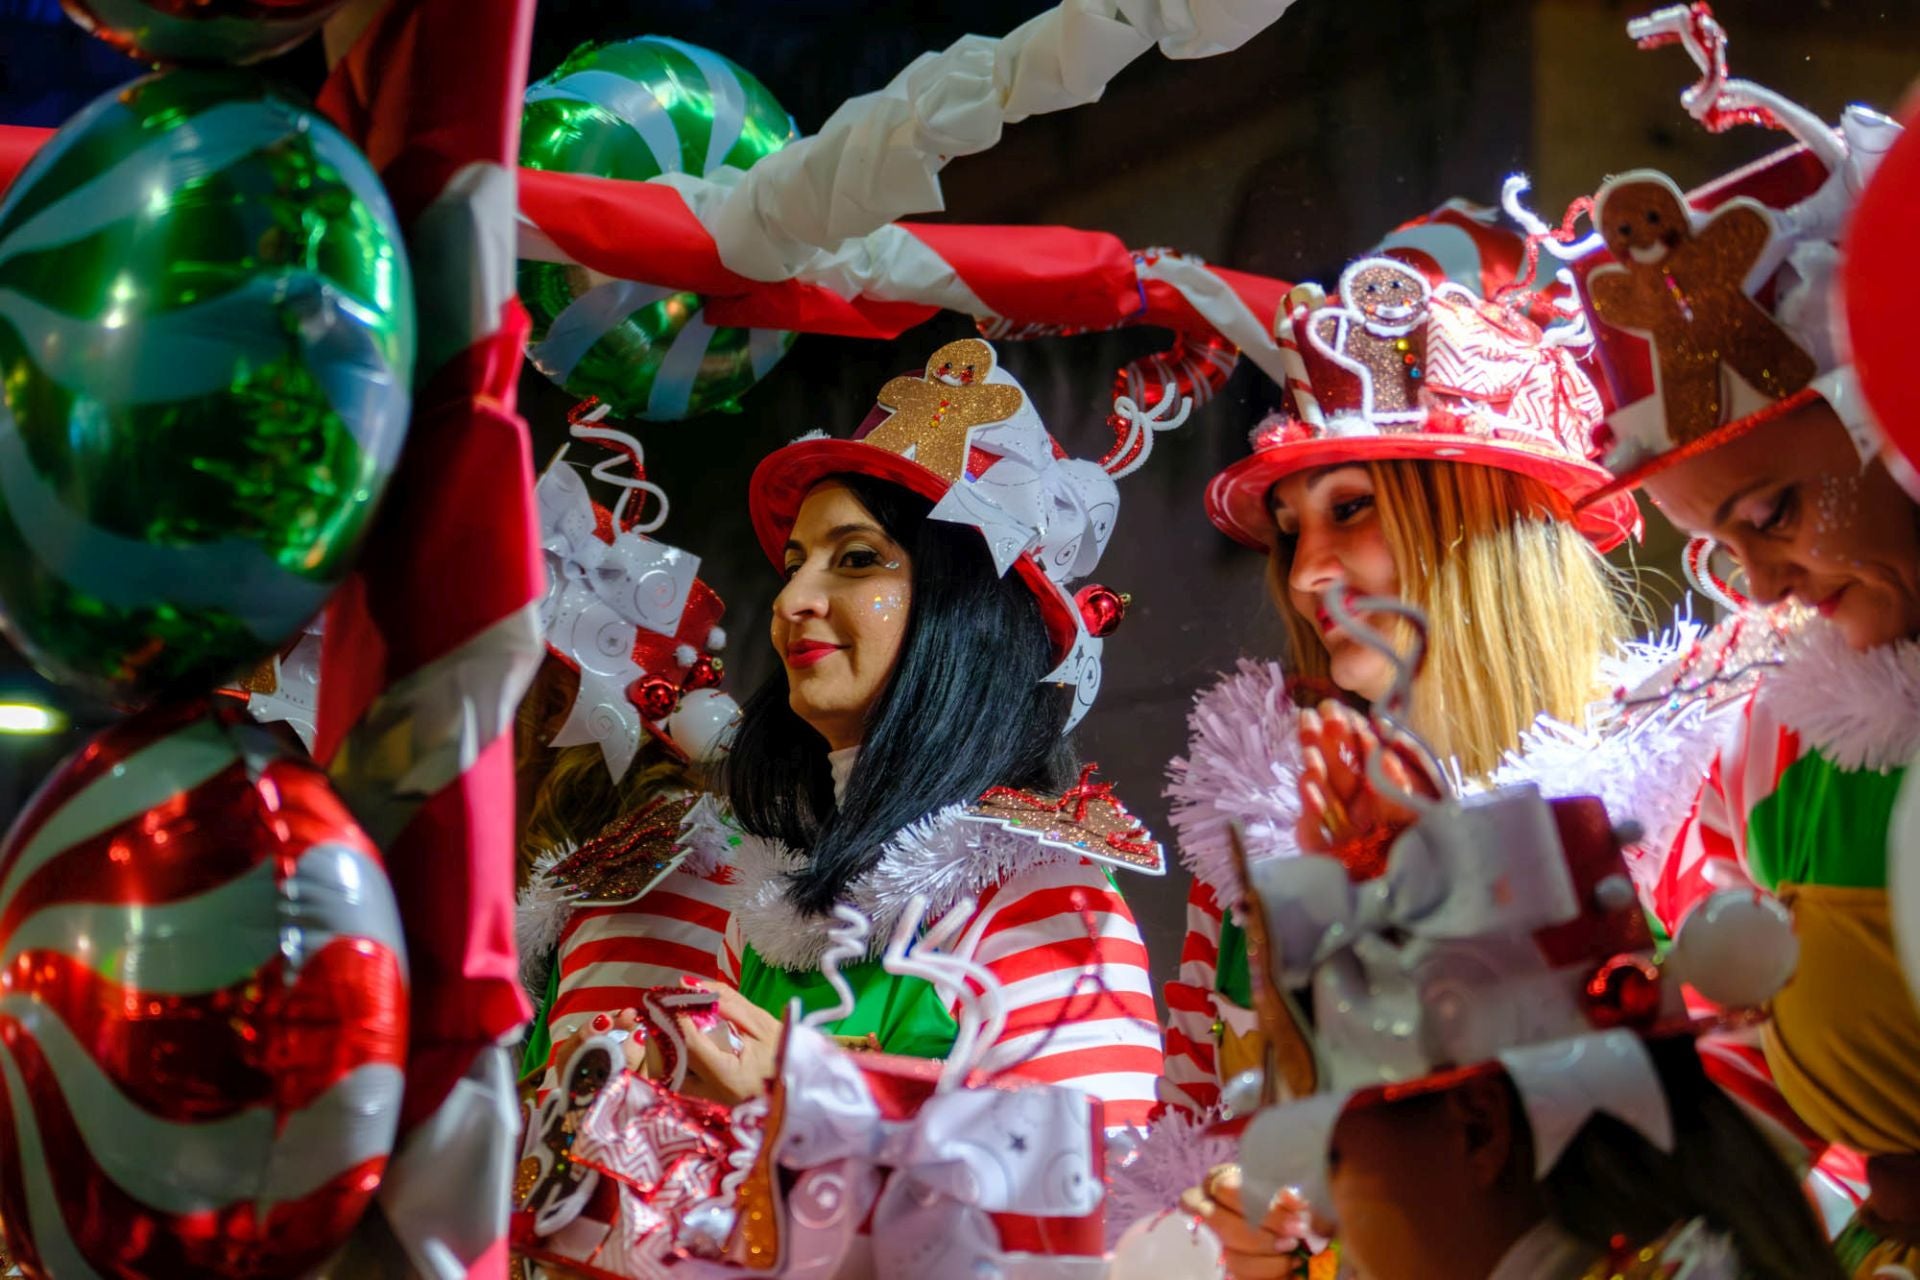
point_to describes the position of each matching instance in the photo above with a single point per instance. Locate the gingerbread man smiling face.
(1389, 294)
(1643, 222)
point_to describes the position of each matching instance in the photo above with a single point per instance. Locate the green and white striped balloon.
(634, 110)
(206, 346)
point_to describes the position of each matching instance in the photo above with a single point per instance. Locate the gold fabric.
(1844, 1041)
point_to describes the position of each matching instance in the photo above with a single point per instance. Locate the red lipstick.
(805, 653)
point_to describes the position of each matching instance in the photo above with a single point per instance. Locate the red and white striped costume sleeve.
(1241, 770)
(607, 953)
(1710, 854)
(1028, 933)
(1102, 1037)
(1193, 1074)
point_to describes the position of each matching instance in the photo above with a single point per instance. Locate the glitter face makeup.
(839, 622)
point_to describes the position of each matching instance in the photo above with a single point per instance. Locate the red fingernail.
(601, 1022)
(688, 979)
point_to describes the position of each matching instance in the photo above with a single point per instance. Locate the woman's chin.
(1361, 672)
(1867, 620)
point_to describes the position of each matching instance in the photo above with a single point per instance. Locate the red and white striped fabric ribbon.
(421, 667)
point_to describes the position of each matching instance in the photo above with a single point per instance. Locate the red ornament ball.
(1101, 608)
(1623, 992)
(704, 673)
(655, 696)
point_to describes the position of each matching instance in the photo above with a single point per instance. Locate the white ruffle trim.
(1860, 710)
(1242, 765)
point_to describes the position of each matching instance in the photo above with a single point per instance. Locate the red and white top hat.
(1713, 311)
(629, 615)
(964, 435)
(1430, 348)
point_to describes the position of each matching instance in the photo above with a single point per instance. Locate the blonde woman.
(1434, 453)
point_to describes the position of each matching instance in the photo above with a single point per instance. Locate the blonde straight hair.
(1520, 607)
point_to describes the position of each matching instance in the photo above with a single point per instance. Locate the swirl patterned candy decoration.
(202, 1008)
(634, 110)
(197, 31)
(206, 344)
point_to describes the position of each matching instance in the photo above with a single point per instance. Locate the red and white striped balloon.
(203, 1008)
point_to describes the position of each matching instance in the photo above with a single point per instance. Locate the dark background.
(1285, 158)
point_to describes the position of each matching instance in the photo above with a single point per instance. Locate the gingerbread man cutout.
(1684, 286)
(1379, 333)
(934, 414)
(588, 1073)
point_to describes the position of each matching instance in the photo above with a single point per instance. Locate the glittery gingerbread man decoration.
(933, 414)
(1684, 286)
(565, 1185)
(1379, 333)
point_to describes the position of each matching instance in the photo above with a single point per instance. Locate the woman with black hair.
(912, 744)
(1493, 1079)
(1441, 1185)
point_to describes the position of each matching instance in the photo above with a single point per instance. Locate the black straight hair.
(1611, 1181)
(964, 710)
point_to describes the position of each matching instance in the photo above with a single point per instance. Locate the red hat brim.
(784, 478)
(1237, 498)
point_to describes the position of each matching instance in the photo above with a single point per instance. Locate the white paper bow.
(1061, 510)
(1434, 961)
(933, 1180)
(598, 595)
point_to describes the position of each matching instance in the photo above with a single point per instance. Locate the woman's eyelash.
(1777, 516)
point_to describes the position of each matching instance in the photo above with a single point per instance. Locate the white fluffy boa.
(948, 855)
(1860, 710)
(545, 905)
(1243, 762)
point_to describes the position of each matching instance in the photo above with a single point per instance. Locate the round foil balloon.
(1874, 275)
(206, 338)
(202, 1008)
(196, 31)
(635, 110)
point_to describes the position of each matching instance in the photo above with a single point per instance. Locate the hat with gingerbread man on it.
(963, 434)
(1440, 345)
(1713, 310)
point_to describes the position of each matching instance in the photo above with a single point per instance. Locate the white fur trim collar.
(1645, 764)
(1242, 765)
(948, 855)
(1860, 710)
(1243, 761)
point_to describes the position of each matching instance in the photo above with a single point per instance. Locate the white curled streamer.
(1144, 424)
(1705, 41)
(1391, 709)
(1517, 185)
(983, 1015)
(1574, 331)
(609, 469)
(845, 941)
